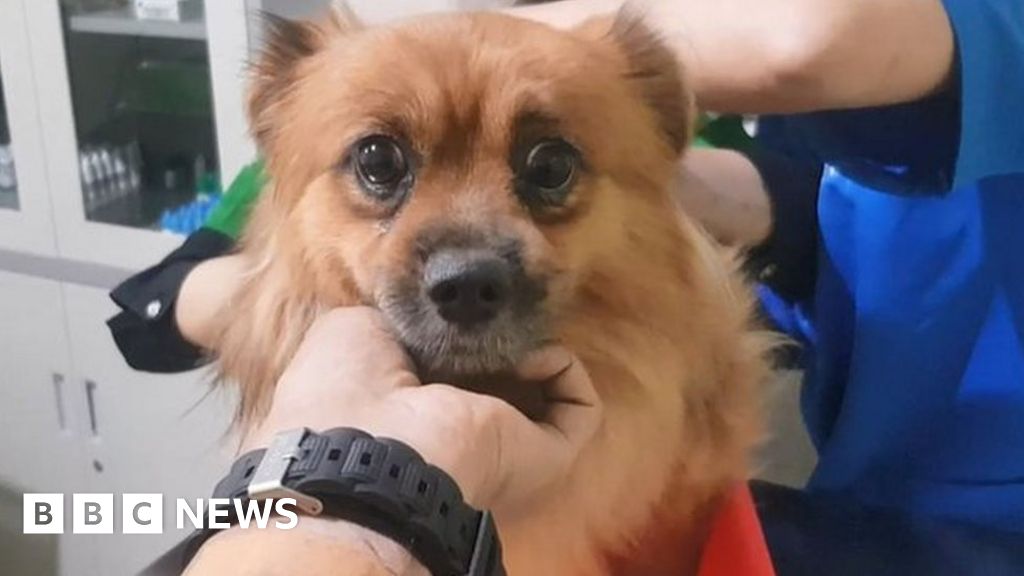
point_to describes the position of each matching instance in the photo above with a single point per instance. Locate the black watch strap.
(378, 483)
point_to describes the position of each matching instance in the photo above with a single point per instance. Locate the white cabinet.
(75, 418)
(41, 420)
(38, 415)
(153, 434)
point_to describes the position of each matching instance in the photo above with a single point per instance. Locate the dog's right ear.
(657, 76)
(286, 44)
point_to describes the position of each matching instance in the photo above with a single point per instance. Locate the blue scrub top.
(914, 394)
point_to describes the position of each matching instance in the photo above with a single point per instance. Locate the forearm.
(776, 56)
(783, 56)
(206, 292)
(314, 546)
(567, 13)
(723, 190)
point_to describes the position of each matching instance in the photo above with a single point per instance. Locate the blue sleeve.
(990, 58)
(970, 131)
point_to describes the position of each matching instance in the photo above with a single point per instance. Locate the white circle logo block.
(142, 514)
(92, 514)
(43, 514)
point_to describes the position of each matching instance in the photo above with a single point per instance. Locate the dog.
(491, 185)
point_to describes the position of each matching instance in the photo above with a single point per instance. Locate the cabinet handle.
(58, 394)
(90, 398)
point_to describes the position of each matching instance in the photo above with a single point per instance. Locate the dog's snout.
(467, 287)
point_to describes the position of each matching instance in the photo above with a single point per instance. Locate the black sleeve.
(787, 262)
(144, 330)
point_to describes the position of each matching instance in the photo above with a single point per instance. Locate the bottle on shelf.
(110, 173)
(8, 176)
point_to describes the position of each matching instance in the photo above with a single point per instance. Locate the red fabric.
(736, 546)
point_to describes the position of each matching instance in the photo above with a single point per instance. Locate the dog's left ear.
(657, 75)
(286, 44)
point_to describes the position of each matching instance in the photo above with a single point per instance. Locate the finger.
(574, 407)
(544, 364)
(534, 457)
(509, 459)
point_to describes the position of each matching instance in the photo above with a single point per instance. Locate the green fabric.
(723, 132)
(231, 214)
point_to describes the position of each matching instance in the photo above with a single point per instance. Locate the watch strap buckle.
(268, 479)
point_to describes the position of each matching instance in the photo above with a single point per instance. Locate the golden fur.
(656, 312)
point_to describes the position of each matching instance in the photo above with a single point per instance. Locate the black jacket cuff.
(145, 330)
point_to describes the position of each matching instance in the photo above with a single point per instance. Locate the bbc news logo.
(144, 513)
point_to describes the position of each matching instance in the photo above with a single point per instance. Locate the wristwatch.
(379, 483)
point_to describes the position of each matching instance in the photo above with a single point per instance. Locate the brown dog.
(492, 184)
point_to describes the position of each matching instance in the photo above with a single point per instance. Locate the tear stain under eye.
(383, 226)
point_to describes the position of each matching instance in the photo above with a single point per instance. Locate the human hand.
(350, 371)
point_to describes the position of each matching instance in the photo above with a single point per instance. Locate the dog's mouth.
(481, 357)
(444, 352)
(482, 360)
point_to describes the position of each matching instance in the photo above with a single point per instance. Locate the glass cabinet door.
(142, 117)
(8, 173)
(25, 214)
(139, 76)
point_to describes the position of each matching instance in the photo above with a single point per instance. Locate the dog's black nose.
(468, 287)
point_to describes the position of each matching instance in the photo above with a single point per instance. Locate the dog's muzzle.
(468, 307)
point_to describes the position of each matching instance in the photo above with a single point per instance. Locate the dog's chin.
(481, 360)
(451, 356)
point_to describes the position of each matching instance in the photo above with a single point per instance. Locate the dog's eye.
(549, 171)
(381, 165)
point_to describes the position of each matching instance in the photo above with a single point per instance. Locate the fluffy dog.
(492, 184)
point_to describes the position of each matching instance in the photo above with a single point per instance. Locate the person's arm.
(205, 293)
(146, 330)
(314, 546)
(780, 56)
(760, 201)
(723, 190)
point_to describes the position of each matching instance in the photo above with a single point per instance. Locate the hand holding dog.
(350, 371)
